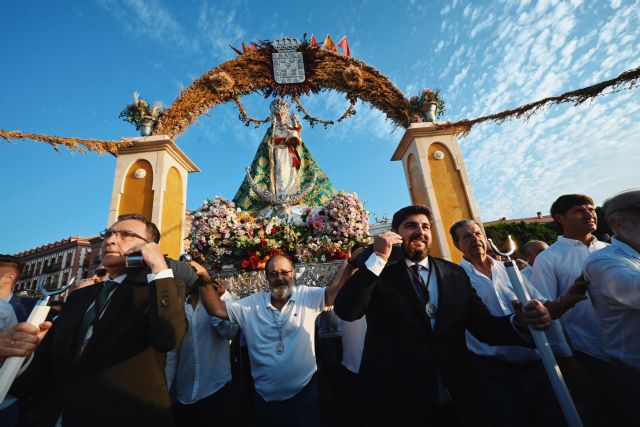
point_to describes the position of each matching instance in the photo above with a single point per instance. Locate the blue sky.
(69, 67)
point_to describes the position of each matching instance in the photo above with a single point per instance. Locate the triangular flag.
(245, 48)
(329, 44)
(344, 44)
(235, 50)
(253, 46)
(313, 42)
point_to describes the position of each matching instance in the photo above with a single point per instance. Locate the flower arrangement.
(223, 234)
(140, 111)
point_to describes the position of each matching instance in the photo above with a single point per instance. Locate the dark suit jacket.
(119, 380)
(396, 373)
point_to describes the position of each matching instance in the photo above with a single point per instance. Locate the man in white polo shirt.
(614, 275)
(556, 269)
(279, 329)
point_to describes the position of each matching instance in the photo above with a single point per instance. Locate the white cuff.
(160, 275)
(375, 263)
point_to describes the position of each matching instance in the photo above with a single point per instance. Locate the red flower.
(244, 263)
(263, 244)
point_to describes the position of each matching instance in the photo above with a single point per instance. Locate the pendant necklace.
(279, 324)
(430, 308)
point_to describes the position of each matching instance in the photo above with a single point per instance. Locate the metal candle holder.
(11, 366)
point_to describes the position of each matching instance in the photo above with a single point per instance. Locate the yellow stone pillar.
(151, 179)
(436, 177)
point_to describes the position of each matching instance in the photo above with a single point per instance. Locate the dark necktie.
(95, 311)
(421, 287)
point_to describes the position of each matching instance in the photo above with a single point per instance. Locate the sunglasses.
(121, 234)
(100, 272)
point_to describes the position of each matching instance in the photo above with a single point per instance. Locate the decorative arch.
(252, 72)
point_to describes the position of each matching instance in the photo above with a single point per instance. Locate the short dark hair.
(566, 202)
(270, 261)
(10, 260)
(152, 231)
(402, 214)
(454, 228)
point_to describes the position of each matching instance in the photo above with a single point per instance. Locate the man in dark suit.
(415, 359)
(104, 357)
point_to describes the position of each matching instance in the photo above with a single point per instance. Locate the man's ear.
(558, 218)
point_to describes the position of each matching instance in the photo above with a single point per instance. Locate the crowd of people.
(398, 338)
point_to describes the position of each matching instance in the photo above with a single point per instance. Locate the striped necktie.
(95, 312)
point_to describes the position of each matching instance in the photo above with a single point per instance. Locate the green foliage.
(521, 233)
(140, 111)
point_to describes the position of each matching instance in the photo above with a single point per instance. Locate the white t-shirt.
(280, 376)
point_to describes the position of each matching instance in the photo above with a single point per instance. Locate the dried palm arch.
(253, 73)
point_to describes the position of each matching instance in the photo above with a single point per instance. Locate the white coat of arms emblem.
(288, 65)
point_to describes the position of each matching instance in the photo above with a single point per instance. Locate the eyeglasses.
(121, 234)
(276, 274)
(100, 272)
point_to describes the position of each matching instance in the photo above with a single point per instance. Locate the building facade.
(56, 263)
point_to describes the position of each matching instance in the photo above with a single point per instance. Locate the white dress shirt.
(353, 334)
(497, 295)
(7, 319)
(527, 272)
(201, 365)
(555, 269)
(280, 376)
(614, 276)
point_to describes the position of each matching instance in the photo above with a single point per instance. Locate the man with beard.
(614, 275)
(279, 328)
(415, 358)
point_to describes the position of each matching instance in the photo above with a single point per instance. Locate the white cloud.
(147, 19)
(518, 168)
(485, 23)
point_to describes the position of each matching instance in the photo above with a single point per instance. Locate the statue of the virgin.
(283, 167)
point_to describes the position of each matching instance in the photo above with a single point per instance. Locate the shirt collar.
(572, 242)
(119, 279)
(424, 263)
(466, 264)
(626, 249)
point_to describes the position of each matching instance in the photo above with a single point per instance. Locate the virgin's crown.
(278, 105)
